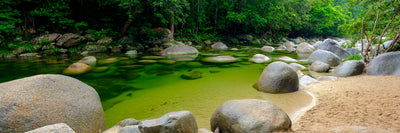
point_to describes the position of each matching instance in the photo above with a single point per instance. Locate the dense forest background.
(198, 19)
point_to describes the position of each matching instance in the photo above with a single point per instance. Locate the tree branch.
(372, 34)
(383, 33)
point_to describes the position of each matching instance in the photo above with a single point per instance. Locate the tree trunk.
(394, 41)
(171, 25)
(372, 35)
(126, 26)
(362, 41)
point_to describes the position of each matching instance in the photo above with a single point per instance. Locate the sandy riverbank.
(353, 104)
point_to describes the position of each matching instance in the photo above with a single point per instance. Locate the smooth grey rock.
(89, 60)
(278, 77)
(162, 35)
(41, 100)
(129, 125)
(319, 66)
(349, 68)
(220, 59)
(131, 53)
(326, 78)
(249, 116)
(77, 68)
(297, 66)
(180, 53)
(171, 43)
(259, 58)
(174, 122)
(324, 56)
(385, 64)
(287, 59)
(68, 40)
(48, 37)
(333, 46)
(55, 128)
(289, 46)
(130, 129)
(268, 49)
(95, 48)
(304, 49)
(105, 41)
(306, 80)
(219, 46)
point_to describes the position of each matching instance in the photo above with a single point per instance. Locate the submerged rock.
(41, 100)
(385, 64)
(278, 77)
(349, 68)
(108, 61)
(249, 116)
(219, 46)
(220, 59)
(287, 59)
(89, 60)
(191, 75)
(131, 53)
(268, 49)
(77, 68)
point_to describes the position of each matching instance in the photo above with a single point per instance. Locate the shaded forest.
(198, 19)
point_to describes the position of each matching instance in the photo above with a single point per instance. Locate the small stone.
(191, 75)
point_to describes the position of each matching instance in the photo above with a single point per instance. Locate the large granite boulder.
(180, 52)
(333, 46)
(174, 122)
(306, 80)
(46, 38)
(219, 46)
(77, 68)
(304, 49)
(324, 56)
(349, 68)
(297, 67)
(69, 40)
(278, 77)
(259, 58)
(55, 128)
(161, 35)
(41, 100)
(249, 116)
(385, 64)
(319, 66)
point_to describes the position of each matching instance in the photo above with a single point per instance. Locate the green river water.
(148, 91)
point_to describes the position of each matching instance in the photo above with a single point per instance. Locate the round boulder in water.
(385, 64)
(278, 77)
(180, 53)
(219, 46)
(89, 60)
(249, 116)
(77, 68)
(259, 58)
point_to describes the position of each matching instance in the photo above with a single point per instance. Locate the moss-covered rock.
(191, 75)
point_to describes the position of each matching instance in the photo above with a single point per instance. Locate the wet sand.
(353, 104)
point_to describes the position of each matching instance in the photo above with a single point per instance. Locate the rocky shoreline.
(34, 102)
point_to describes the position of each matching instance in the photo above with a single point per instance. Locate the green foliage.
(57, 11)
(171, 11)
(79, 25)
(8, 19)
(98, 34)
(353, 57)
